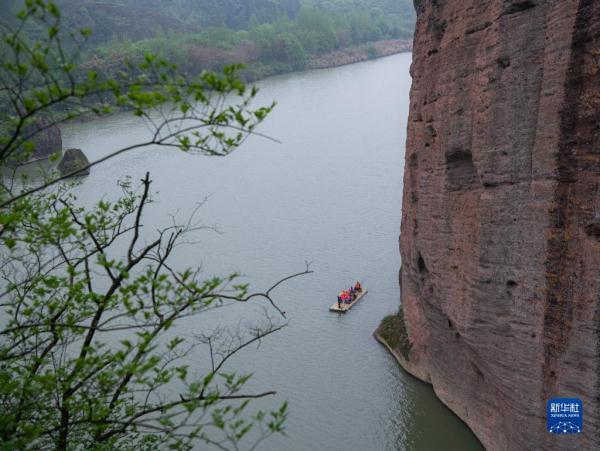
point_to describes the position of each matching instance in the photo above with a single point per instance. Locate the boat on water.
(343, 308)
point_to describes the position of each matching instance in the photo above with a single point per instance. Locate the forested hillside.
(269, 36)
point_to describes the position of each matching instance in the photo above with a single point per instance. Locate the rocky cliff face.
(500, 236)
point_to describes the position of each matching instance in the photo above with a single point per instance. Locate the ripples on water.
(330, 193)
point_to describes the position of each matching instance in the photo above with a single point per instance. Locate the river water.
(330, 193)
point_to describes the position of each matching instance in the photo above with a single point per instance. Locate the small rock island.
(73, 160)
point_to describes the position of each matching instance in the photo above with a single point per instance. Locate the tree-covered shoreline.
(267, 36)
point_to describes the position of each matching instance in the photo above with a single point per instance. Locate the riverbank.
(256, 70)
(357, 54)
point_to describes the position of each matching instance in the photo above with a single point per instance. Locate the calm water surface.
(330, 194)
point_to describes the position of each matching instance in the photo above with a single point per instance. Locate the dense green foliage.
(90, 301)
(234, 14)
(267, 35)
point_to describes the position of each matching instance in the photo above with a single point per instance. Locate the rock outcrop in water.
(46, 139)
(73, 160)
(500, 236)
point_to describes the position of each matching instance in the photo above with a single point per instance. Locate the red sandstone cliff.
(500, 236)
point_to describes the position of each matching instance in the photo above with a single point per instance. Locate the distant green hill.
(269, 36)
(142, 19)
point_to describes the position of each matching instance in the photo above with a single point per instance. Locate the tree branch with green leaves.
(89, 350)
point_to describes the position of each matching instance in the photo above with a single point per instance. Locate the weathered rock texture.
(500, 235)
(74, 160)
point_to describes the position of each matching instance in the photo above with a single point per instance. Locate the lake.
(331, 194)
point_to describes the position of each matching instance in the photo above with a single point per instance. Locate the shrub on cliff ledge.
(393, 331)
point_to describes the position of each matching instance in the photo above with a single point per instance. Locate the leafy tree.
(89, 352)
(285, 48)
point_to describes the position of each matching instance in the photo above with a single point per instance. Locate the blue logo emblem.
(564, 415)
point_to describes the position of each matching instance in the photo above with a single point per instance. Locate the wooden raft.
(345, 307)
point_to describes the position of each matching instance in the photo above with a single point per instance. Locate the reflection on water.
(331, 194)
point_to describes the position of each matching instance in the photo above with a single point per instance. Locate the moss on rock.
(393, 331)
